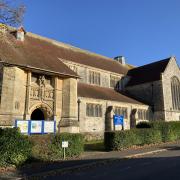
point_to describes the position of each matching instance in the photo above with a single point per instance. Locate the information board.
(22, 125)
(36, 126)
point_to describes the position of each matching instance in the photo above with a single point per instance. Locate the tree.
(11, 14)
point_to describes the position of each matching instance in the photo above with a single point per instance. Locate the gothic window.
(121, 111)
(94, 77)
(93, 110)
(175, 92)
(113, 81)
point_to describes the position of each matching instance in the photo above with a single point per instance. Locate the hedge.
(145, 133)
(118, 140)
(170, 131)
(49, 147)
(15, 148)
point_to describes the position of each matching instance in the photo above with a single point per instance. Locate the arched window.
(175, 92)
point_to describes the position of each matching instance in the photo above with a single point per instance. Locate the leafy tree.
(11, 13)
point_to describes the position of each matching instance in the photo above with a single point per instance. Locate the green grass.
(94, 146)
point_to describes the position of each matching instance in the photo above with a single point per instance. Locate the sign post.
(64, 146)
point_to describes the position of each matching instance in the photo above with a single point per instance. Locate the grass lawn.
(94, 146)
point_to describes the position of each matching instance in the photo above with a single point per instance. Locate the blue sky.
(141, 30)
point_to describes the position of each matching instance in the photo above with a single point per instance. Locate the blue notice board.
(118, 119)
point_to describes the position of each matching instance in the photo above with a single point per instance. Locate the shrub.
(143, 125)
(49, 147)
(15, 148)
(170, 131)
(118, 140)
(75, 148)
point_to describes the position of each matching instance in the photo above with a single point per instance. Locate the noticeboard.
(36, 126)
(23, 125)
(118, 119)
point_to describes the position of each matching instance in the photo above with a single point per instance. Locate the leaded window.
(175, 92)
(93, 110)
(143, 114)
(121, 111)
(113, 81)
(94, 77)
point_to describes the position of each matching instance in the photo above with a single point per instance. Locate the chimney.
(20, 33)
(121, 59)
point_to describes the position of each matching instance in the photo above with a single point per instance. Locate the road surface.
(160, 166)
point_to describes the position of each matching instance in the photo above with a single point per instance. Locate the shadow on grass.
(94, 146)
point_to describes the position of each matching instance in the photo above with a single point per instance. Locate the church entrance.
(37, 114)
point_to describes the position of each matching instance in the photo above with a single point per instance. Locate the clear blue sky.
(141, 30)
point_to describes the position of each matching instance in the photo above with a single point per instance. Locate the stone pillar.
(28, 89)
(69, 121)
(57, 101)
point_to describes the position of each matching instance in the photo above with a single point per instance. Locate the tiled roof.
(32, 53)
(44, 53)
(97, 92)
(147, 73)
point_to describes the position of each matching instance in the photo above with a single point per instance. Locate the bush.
(119, 140)
(143, 125)
(170, 131)
(15, 148)
(49, 147)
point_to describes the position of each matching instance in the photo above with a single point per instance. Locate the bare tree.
(11, 14)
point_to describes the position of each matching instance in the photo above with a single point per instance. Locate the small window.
(143, 114)
(121, 111)
(94, 78)
(114, 81)
(93, 110)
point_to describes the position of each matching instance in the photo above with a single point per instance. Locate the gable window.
(94, 77)
(113, 81)
(93, 110)
(175, 92)
(73, 68)
(121, 111)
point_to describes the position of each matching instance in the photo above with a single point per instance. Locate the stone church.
(42, 79)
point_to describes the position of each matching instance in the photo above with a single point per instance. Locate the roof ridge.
(155, 62)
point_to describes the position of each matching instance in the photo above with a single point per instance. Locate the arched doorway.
(37, 114)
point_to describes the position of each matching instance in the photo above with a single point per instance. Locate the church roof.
(147, 73)
(32, 53)
(44, 53)
(97, 92)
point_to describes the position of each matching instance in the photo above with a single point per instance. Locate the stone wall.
(69, 121)
(171, 70)
(152, 94)
(97, 125)
(13, 95)
(83, 72)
